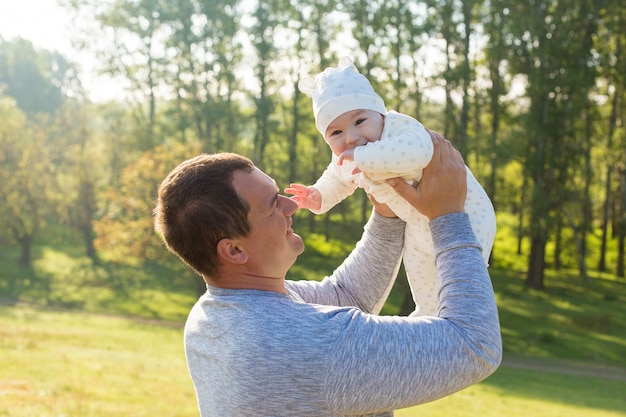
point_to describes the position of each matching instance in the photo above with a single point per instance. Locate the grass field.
(521, 393)
(78, 339)
(83, 365)
(57, 363)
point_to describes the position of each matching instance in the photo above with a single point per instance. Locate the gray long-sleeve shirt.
(308, 353)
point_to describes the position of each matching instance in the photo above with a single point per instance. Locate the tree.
(126, 228)
(25, 177)
(37, 80)
(39, 83)
(267, 17)
(205, 52)
(134, 51)
(610, 41)
(550, 46)
(444, 14)
(79, 165)
(213, 73)
(316, 25)
(465, 76)
(495, 57)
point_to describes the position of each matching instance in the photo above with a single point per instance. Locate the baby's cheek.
(337, 148)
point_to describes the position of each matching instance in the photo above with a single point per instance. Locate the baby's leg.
(419, 263)
(481, 214)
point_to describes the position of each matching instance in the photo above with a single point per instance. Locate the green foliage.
(126, 227)
(24, 175)
(506, 255)
(320, 257)
(539, 123)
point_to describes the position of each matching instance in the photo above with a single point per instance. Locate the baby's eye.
(335, 133)
(359, 121)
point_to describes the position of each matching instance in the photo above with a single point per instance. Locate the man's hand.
(382, 209)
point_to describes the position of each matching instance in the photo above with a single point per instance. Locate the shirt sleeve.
(365, 278)
(386, 363)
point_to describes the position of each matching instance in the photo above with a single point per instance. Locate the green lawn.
(518, 393)
(56, 363)
(85, 365)
(78, 339)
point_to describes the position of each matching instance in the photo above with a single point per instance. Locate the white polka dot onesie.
(403, 150)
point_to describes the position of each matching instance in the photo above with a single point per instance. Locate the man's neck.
(244, 280)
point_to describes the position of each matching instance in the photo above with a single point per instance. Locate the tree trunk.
(462, 136)
(605, 219)
(495, 125)
(586, 204)
(25, 249)
(609, 169)
(558, 238)
(620, 224)
(295, 113)
(522, 210)
(88, 234)
(293, 139)
(536, 263)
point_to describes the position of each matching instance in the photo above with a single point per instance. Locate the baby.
(370, 145)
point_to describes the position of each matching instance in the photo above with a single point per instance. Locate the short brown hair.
(197, 206)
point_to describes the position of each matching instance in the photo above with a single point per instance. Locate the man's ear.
(230, 252)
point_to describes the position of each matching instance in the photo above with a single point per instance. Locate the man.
(259, 345)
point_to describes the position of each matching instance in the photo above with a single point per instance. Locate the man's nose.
(289, 206)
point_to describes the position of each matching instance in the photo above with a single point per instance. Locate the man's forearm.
(365, 278)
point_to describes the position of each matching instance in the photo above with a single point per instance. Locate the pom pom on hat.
(338, 90)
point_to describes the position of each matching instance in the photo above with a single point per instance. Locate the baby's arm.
(332, 187)
(404, 149)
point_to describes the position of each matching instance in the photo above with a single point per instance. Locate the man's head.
(225, 219)
(197, 206)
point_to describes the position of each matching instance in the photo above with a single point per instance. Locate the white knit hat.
(338, 90)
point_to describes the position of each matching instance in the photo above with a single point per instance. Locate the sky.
(41, 21)
(48, 26)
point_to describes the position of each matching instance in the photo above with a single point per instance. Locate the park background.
(532, 94)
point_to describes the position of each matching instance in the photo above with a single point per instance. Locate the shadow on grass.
(60, 281)
(571, 318)
(560, 386)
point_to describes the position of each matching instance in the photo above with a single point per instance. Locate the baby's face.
(354, 128)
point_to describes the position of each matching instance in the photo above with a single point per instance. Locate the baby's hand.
(348, 155)
(306, 197)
